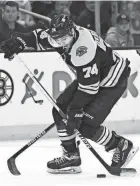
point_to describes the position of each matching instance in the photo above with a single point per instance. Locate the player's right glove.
(12, 46)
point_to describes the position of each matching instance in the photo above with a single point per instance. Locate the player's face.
(10, 14)
(64, 41)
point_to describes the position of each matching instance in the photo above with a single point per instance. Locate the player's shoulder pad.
(84, 49)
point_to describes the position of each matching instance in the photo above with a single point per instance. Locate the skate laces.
(61, 159)
(116, 156)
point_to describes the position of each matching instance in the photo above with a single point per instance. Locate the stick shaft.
(11, 162)
(33, 140)
(35, 15)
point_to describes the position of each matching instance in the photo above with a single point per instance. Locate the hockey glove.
(12, 46)
(74, 120)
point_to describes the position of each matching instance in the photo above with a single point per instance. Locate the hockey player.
(101, 80)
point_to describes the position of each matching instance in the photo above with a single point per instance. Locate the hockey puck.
(101, 175)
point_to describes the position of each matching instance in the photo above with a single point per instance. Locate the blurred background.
(118, 22)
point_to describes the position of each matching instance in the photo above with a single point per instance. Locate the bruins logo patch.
(81, 51)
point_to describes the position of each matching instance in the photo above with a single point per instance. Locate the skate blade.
(131, 154)
(67, 170)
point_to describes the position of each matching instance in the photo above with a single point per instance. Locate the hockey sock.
(68, 141)
(70, 146)
(107, 138)
(113, 142)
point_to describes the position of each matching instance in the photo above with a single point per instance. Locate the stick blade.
(12, 166)
(128, 172)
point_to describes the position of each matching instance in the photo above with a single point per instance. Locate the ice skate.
(124, 152)
(69, 163)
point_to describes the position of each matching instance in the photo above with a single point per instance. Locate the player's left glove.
(74, 120)
(12, 46)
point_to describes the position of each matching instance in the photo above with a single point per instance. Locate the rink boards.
(21, 118)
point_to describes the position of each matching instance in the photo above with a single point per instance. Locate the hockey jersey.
(95, 63)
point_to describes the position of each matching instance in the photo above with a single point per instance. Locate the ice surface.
(32, 165)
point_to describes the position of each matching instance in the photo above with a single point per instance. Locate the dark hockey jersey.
(95, 63)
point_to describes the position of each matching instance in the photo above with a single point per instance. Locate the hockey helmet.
(61, 29)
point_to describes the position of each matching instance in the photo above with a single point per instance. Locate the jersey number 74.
(90, 71)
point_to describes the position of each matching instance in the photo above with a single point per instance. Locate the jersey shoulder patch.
(84, 49)
(81, 51)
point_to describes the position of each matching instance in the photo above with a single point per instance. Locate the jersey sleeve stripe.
(114, 82)
(89, 91)
(110, 74)
(117, 69)
(114, 74)
(117, 74)
(89, 88)
(95, 85)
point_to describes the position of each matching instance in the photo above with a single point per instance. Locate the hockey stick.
(112, 170)
(39, 16)
(11, 162)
